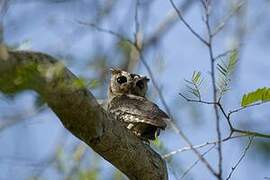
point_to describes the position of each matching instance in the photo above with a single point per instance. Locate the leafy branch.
(225, 71)
(194, 84)
(260, 95)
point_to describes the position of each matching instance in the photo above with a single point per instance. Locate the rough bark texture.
(80, 113)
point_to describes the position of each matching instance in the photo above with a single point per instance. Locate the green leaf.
(260, 95)
(194, 84)
(225, 70)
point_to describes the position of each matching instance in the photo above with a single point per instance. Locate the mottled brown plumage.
(128, 104)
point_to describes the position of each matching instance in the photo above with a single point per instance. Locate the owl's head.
(121, 82)
(140, 86)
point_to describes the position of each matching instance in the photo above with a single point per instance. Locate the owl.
(140, 85)
(123, 82)
(128, 104)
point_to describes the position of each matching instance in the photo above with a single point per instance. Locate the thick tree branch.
(79, 112)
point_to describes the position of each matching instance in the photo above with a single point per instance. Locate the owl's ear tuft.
(115, 70)
(146, 78)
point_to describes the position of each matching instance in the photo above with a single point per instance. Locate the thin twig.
(167, 24)
(226, 116)
(166, 156)
(245, 107)
(251, 133)
(241, 158)
(196, 101)
(187, 25)
(137, 24)
(210, 102)
(221, 25)
(196, 162)
(206, 5)
(107, 31)
(245, 132)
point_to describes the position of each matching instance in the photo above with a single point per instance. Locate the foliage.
(82, 82)
(260, 95)
(194, 84)
(225, 71)
(91, 174)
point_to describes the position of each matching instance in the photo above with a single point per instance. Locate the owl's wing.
(137, 109)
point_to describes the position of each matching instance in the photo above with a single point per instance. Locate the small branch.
(137, 23)
(4, 6)
(196, 162)
(251, 133)
(107, 31)
(245, 107)
(196, 101)
(228, 118)
(241, 158)
(187, 25)
(225, 115)
(167, 24)
(227, 18)
(206, 5)
(168, 155)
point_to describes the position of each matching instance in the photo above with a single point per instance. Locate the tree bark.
(79, 112)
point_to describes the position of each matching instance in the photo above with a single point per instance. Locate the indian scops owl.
(127, 103)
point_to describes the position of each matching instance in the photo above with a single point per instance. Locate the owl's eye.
(121, 79)
(140, 84)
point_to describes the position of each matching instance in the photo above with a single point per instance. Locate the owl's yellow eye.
(121, 79)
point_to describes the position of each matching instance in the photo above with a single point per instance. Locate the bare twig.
(226, 116)
(245, 107)
(187, 25)
(196, 162)
(241, 158)
(4, 6)
(206, 5)
(137, 23)
(210, 103)
(166, 156)
(196, 101)
(251, 133)
(245, 132)
(225, 20)
(104, 30)
(167, 24)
